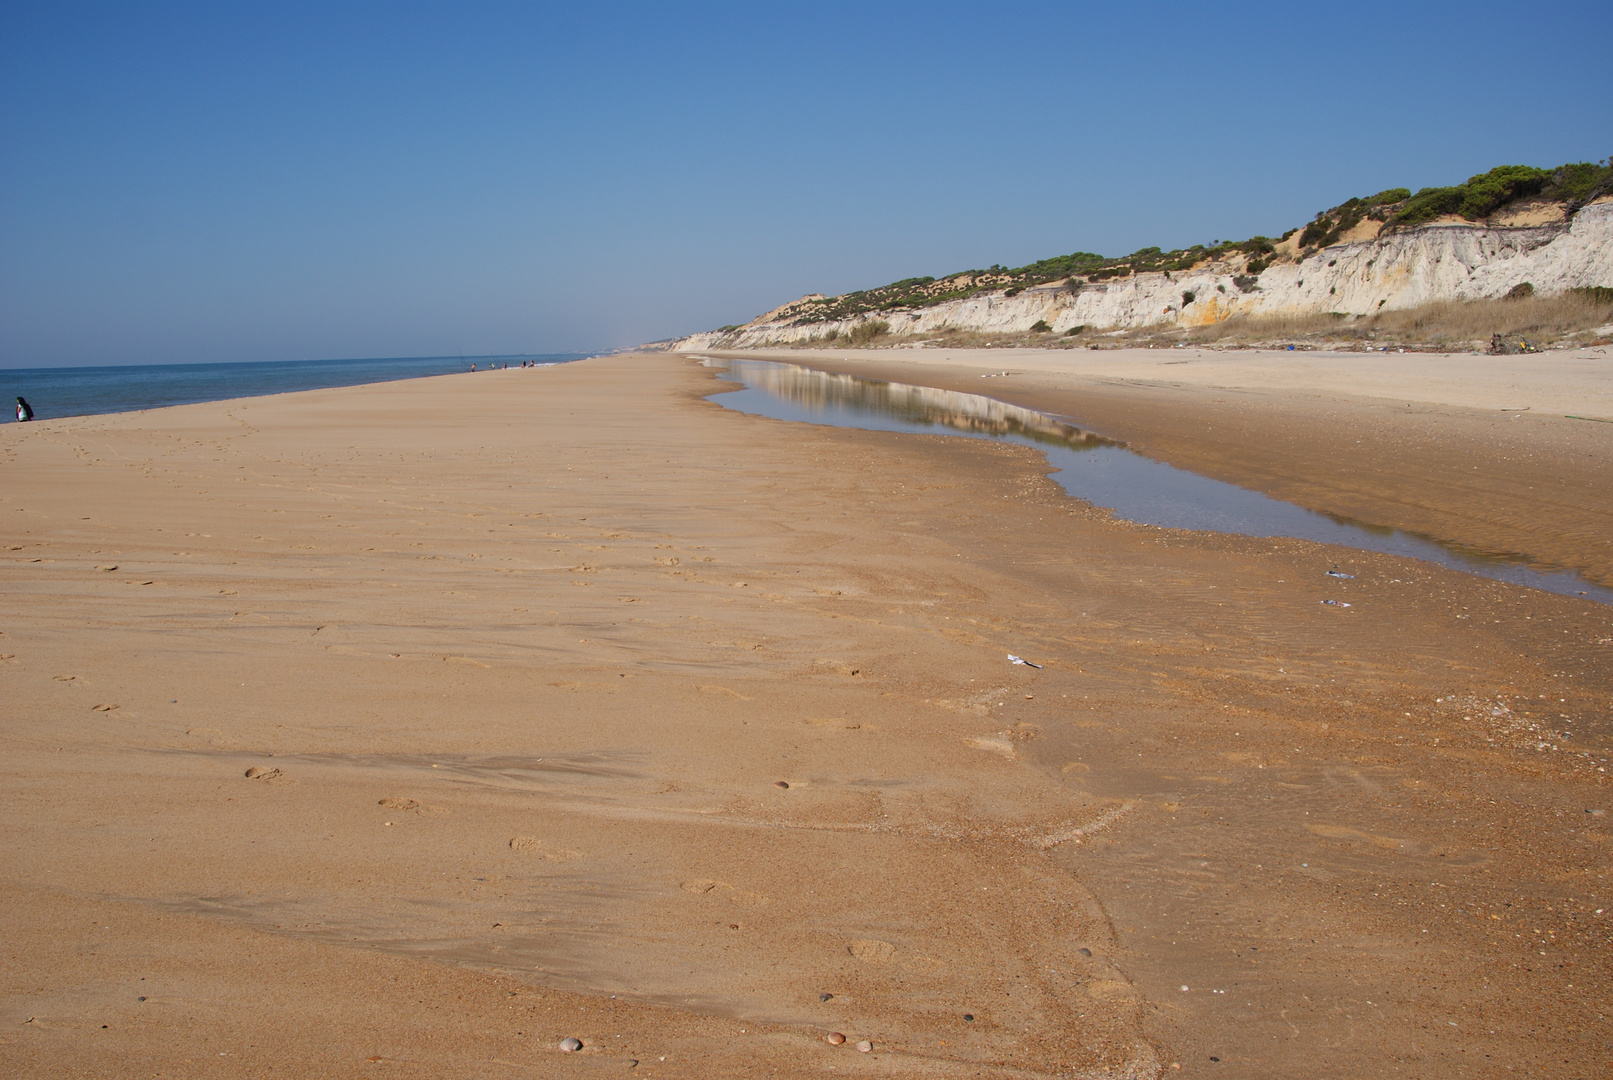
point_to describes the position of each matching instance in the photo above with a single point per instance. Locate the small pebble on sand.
(834, 1038)
(866, 1047)
(825, 997)
(570, 1045)
(780, 783)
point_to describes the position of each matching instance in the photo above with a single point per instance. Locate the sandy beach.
(406, 730)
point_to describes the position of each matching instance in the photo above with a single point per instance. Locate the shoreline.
(103, 390)
(589, 708)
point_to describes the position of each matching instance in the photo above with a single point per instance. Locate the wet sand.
(1493, 453)
(577, 705)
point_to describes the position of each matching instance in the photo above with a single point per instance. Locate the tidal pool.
(1102, 471)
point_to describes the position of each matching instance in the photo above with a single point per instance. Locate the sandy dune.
(405, 730)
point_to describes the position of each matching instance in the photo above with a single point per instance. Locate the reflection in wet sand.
(1105, 473)
(971, 414)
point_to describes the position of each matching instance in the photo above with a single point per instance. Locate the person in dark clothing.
(23, 411)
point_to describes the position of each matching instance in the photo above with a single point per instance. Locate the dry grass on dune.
(1453, 324)
(1475, 320)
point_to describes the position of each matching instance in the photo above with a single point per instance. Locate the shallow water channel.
(1101, 471)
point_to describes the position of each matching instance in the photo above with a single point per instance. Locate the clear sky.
(229, 181)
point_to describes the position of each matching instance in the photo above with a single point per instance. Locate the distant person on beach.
(23, 411)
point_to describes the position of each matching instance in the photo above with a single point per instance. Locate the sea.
(87, 391)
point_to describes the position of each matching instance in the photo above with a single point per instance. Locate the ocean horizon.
(57, 392)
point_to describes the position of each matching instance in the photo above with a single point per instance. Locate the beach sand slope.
(406, 730)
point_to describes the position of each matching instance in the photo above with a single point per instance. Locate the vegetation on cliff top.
(1482, 195)
(1478, 198)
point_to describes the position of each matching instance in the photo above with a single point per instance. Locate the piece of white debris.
(1012, 659)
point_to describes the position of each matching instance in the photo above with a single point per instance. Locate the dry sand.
(520, 663)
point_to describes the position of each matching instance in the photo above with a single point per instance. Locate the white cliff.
(1401, 269)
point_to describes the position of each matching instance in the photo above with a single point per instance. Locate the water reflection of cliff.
(967, 413)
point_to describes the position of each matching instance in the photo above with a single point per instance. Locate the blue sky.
(190, 183)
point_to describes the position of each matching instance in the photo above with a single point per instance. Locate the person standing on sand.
(23, 411)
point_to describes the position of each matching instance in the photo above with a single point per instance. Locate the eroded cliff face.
(1403, 269)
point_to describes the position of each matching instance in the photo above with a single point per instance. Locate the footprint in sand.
(1344, 832)
(993, 744)
(709, 887)
(701, 886)
(872, 951)
(1110, 989)
(411, 806)
(257, 772)
(531, 845)
(1452, 857)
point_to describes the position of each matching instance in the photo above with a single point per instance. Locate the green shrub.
(1245, 283)
(1188, 298)
(1040, 327)
(1428, 204)
(1480, 197)
(1257, 267)
(1074, 330)
(1483, 195)
(1580, 182)
(1521, 291)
